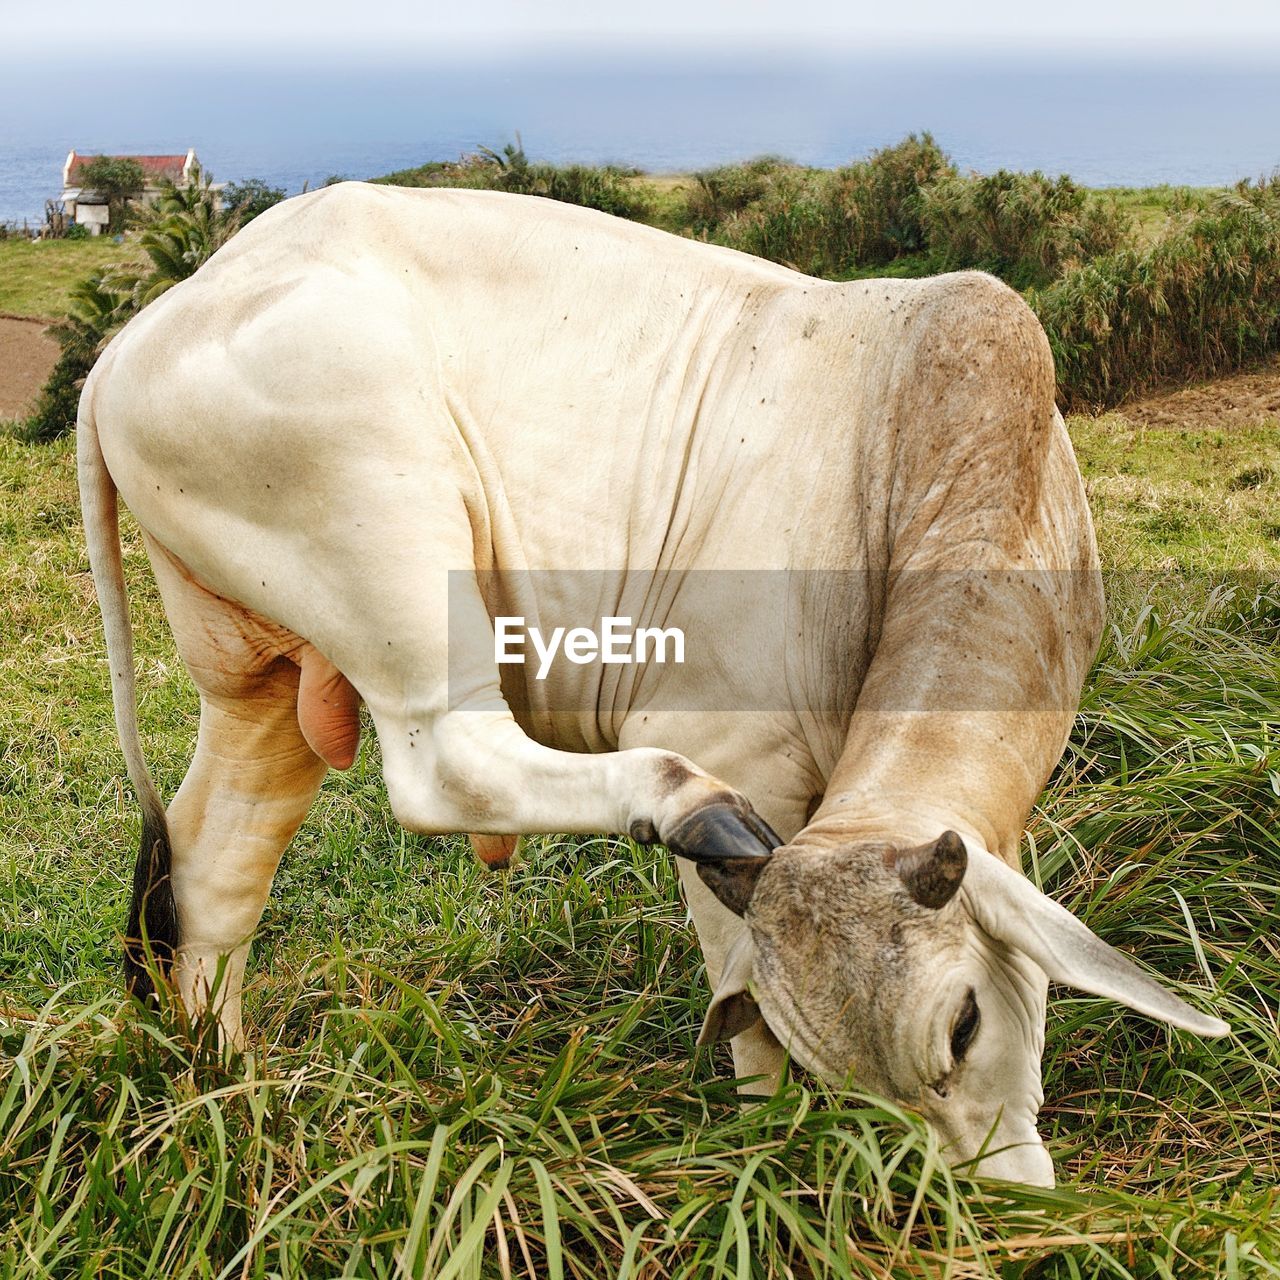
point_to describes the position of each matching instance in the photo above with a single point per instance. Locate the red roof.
(155, 167)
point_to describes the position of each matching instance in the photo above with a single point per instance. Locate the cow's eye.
(966, 1027)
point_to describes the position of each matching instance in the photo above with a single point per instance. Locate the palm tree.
(181, 231)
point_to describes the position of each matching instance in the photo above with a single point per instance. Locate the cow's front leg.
(477, 771)
(760, 756)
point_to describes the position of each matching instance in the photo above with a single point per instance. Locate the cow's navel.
(328, 710)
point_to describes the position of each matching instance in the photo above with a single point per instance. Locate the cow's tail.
(153, 919)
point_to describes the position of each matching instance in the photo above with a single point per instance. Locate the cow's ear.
(732, 881)
(1009, 907)
(732, 1008)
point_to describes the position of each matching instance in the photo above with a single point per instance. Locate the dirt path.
(1240, 399)
(27, 355)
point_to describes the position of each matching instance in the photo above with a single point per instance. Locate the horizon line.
(703, 48)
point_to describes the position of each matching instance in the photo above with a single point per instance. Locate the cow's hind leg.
(248, 788)
(246, 793)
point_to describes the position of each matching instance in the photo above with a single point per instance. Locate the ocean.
(295, 120)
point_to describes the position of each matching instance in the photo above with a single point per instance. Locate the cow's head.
(920, 974)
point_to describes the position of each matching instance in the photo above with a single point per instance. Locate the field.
(1192, 495)
(35, 279)
(462, 1074)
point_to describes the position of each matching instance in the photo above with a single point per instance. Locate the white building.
(89, 208)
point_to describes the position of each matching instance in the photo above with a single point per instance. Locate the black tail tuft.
(153, 917)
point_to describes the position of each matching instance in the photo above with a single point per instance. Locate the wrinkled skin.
(863, 982)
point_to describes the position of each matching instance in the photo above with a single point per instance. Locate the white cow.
(379, 418)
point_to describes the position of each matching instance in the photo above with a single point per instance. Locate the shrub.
(54, 414)
(1200, 301)
(1024, 227)
(181, 232)
(430, 174)
(789, 224)
(605, 187)
(718, 194)
(875, 205)
(829, 224)
(245, 200)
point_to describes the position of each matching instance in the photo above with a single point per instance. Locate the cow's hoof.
(720, 831)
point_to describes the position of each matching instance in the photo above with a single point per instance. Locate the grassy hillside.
(1197, 498)
(1136, 289)
(36, 278)
(460, 1074)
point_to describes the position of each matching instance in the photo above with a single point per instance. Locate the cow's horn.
(931, 873)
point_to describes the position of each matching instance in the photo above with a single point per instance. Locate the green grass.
(1152, 208)
(1183, 497)
(36, 278)
(462, 1074)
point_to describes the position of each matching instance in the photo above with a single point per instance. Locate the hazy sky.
(1126, 27)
